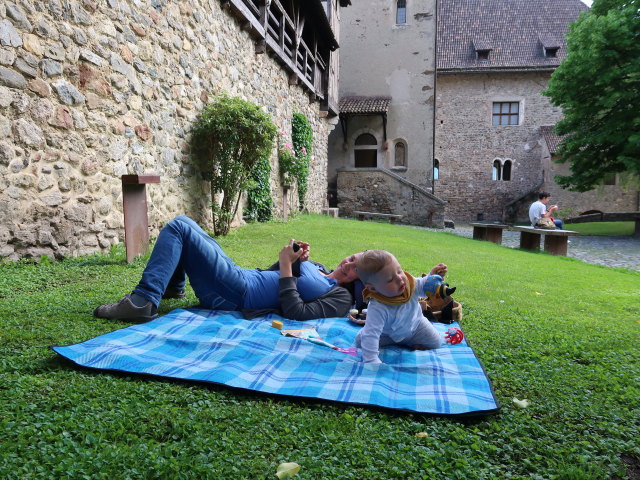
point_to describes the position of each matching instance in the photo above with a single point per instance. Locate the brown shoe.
(125, 310)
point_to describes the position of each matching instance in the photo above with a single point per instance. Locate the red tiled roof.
(378, 104)
(515, 30)
(553, 140)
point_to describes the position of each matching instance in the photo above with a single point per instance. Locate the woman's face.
(346, 272)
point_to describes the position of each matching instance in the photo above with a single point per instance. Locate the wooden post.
(479, 233)
(555, 245)
(530, 241)
(136, 220)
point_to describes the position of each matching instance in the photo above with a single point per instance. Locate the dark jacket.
(335, 303)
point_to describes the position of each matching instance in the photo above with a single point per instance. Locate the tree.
(230, 138)
(598, 88)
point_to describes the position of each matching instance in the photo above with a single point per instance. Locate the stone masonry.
(467, 143)
(382, 191)
(91, 90)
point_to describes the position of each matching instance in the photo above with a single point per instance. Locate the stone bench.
(555, 241)
(491, 232)
(372, 215)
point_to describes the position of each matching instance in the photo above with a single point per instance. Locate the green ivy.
(230, 139)
(302, 138)
(260, 203)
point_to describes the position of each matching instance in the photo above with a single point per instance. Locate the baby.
(394, 315)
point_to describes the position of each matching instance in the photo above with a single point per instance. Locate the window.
(366, 151)
(400, 155)
(483, 54)
(506, 113)
(501, 170)
(610, 179)
(496, 170)
(506, 170)
(550, 52)
(401, 11)
(436, 169)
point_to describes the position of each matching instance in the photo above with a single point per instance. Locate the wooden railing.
(274, 28)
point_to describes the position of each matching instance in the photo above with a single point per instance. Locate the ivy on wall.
(259, 201)
(302, 139)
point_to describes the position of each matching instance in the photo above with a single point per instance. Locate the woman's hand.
(287, 256)
(306, 249)
(440, 269)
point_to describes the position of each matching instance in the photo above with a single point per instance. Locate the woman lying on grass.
(184, 249)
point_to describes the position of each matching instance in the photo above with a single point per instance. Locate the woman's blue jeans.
(184, 249)
(559, 223)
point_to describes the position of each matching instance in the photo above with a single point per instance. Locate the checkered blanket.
(223, 348)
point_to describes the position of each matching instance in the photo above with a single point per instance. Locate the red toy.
(453, 336)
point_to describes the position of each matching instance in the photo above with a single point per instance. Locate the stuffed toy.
(438, 305)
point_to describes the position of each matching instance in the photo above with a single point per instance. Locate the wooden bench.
(371, 215)
(555, 241)
(491, 232)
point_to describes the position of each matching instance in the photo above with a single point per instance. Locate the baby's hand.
(440, 269)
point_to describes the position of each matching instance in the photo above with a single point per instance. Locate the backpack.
(546, 223)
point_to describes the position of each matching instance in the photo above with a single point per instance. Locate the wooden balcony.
(298, 34)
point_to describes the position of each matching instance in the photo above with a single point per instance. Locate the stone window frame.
(501, 100)
(355, 147)
(396, 143)
(401, 12)
(436, 169)
(502, 169)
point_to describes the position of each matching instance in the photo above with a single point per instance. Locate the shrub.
(230, 137)
(302, 139)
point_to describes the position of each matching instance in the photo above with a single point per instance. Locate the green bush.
(302, 138)
(259, 199)
(229, 139)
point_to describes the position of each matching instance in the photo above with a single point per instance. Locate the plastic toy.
(453, 336)
(277, 324)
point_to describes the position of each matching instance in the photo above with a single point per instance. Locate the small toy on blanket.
(311, 335)
(453, 336)
(438, 305)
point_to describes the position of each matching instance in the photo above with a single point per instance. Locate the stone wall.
(90, 91)
(380, 57)
(615, 198)
(467, 143)
(382, 191)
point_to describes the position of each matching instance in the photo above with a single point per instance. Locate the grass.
(602, 228)
(559, 332)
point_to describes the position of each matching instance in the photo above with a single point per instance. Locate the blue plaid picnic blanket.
(223, 348)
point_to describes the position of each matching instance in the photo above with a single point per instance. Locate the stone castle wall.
(467, 143)
(379, 190)
(90, 91)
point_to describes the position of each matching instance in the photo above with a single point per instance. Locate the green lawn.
(602, 228)
(559, 332)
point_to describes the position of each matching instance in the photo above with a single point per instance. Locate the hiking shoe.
(174, 293)
(125, 310)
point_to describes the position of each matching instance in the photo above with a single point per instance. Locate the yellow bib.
(400, 299)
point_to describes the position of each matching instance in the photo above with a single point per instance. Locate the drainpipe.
(435, 102)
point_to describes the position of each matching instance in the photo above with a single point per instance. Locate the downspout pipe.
(435, 103)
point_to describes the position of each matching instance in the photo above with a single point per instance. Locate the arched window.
(501, 170)
(506, 171)
(401, 12)
(436, 169)
(366, 151)
(400, 155)
(496, 170)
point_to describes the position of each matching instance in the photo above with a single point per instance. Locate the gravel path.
(615, 251)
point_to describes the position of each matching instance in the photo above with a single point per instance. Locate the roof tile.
(375, 104)
(515, 30)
